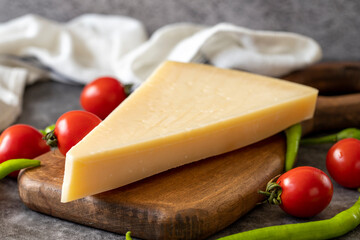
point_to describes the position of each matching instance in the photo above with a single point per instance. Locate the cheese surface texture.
(183, 113)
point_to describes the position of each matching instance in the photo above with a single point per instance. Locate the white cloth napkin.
(33, 48)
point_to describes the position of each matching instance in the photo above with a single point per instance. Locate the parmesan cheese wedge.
(183, 113)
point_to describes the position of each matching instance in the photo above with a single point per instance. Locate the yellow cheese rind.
(181, 114)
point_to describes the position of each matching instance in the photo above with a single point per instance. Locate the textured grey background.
(334, 24)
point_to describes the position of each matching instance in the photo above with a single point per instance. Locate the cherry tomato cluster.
(24, 141)
(99, 99)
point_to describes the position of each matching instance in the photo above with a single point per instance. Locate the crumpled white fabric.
(34, 48)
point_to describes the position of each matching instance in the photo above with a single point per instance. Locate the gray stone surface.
(334, 24)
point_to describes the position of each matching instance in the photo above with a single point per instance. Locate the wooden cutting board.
(199, 199)
(189, 202)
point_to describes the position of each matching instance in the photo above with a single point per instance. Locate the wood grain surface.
(189, 202)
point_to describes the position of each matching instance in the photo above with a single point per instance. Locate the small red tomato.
(343, 162)
(306, 191)
(73, 126)
(102, 96)
(21, 141)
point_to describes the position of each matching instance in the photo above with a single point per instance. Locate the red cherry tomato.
(343, 162)
(21, 141)
(306, 191)
(73, 126)
(102, 96)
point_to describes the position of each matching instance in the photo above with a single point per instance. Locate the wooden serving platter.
(189, 202)
(338, 104)
(198, 199)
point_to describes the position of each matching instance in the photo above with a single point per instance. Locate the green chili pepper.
(346, 133)
(47, 129)
(293, 136)
(16, 164)
(127, 236)
(337, 226)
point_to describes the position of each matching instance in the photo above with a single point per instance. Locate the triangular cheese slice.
(182, 113)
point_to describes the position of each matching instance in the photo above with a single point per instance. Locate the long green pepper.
(332, 138)
(128, 235)
(339, 225)
(12, 165)
(293, 136)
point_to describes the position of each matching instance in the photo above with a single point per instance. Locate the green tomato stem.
(51, 139)
(47, 129)
(127, 88)
(12, 165)
(273, 192)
